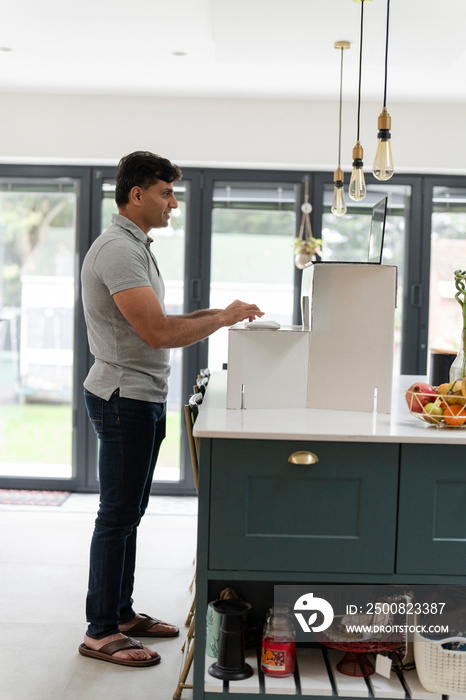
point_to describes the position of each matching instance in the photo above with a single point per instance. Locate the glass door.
(447, 254)
(169, 250)
(252, 257)
(38, 245)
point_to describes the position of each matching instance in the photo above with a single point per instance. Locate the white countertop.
(216, 421)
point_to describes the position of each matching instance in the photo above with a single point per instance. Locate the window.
(252, 259)
(448, 253)
(37, 303)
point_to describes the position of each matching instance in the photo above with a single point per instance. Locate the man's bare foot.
(141, 626)
(142, 654)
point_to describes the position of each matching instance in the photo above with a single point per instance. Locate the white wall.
(266, 133)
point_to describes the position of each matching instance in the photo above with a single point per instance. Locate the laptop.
(377, 232)
(376, 238)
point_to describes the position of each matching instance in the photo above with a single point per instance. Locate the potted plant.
(305, 249)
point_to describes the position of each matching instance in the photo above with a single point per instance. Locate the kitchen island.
(383, 503)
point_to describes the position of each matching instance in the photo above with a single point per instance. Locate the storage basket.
(441, 670)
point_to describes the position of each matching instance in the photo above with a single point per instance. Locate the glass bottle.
(278, 642)
(458, 367)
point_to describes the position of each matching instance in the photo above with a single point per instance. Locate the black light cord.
(341, 100)
(360, 67)
(386, 56)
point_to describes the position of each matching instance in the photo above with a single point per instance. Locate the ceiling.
(233, 48)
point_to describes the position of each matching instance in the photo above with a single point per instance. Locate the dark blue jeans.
(130, 433)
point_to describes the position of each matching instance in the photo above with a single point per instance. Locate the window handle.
(195, 290)
(416, 295)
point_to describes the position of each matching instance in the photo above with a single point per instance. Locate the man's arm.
(201, 313)
(141, 308)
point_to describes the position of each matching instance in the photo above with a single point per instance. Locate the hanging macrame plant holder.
(306, 247)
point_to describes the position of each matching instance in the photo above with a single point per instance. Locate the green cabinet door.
(338, 515)
(432, 518)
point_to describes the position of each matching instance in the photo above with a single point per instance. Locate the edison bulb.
(339, 205)
(383, 164)
(357, 186)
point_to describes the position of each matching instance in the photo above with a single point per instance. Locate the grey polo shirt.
(121, 259)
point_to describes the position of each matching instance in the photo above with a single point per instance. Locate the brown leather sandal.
(105, 653)
(140, 628)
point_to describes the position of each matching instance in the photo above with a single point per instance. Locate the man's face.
(157, 201)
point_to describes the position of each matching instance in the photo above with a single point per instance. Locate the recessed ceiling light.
(179, 53)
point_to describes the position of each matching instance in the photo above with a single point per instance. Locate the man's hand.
(239, 311)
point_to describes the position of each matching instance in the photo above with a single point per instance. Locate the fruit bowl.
(443, 406)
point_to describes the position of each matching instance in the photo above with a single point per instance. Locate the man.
(125, 391)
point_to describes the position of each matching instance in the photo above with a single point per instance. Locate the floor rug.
(32, 498)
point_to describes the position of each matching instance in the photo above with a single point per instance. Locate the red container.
(278, 658)
(278, 645)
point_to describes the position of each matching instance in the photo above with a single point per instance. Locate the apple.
(434, 411)
(418, 395)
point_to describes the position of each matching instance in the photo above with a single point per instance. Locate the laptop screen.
(372, 251)
(377, 232)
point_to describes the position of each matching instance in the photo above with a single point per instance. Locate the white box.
(352, 335)
(267, 368)
(341, 363)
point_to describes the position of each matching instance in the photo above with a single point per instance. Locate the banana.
(453, 398)
(453, 392)
(443, 389)
(451, 387)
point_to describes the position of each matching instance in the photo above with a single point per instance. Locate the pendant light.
(357, 186)
(339, 204)
(383, 163)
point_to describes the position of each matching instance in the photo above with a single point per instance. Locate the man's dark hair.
(142, 169)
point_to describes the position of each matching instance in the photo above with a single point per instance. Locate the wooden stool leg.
(191, 612)
(190, 634)
(193, 580)
(182, 685)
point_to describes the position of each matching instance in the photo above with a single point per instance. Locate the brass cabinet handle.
(303, 457)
